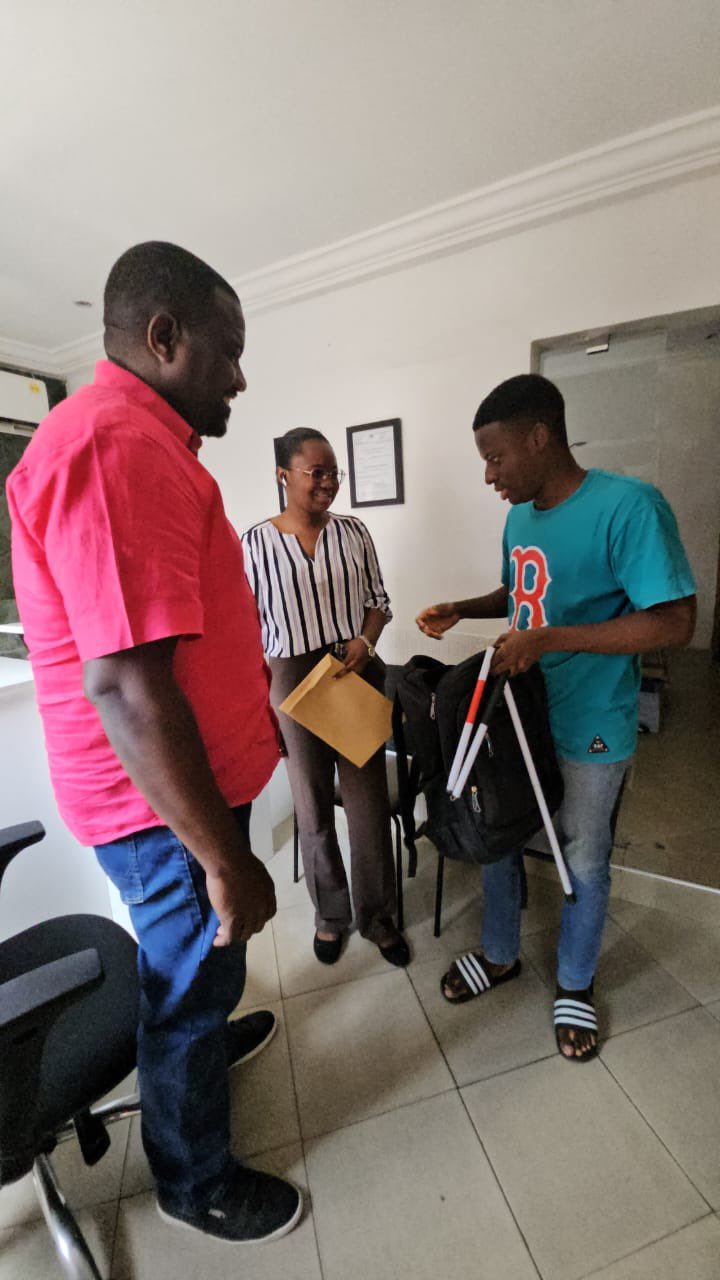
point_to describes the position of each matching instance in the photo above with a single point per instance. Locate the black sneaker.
(251, 1208)
(244, 1037)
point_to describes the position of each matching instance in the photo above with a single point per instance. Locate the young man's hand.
(437, 619)
(243, 900)
(517, 651)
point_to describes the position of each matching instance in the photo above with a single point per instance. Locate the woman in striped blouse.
(319, 589)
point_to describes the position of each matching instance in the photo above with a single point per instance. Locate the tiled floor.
(440, 1143)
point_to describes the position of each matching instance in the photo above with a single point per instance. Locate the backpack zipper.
(489, 746)
(432, 706)
(474, 800)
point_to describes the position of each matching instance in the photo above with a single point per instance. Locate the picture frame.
(375, 463)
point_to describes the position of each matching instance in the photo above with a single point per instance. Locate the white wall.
(54, 877)
(426, 344)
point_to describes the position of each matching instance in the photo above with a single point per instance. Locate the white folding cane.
(479, 738)
(470, 720)
(542, 805)
(460, 771)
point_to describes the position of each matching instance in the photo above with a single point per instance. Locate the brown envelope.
(348, 714)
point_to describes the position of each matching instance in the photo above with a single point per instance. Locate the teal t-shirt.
(611, 548)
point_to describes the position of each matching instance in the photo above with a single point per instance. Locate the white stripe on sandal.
(473, 973)
(575, 1013)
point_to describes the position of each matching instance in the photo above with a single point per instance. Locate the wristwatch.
(370, 647)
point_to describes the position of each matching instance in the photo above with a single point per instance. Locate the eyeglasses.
(317, 474)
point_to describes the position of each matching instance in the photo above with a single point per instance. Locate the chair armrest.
(14, 839)
(39, 995)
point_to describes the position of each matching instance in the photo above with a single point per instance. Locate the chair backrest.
(401, 747)
(68, 1017)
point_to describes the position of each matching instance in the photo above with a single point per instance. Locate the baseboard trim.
(648, 889)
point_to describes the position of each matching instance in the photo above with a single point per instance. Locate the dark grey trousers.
(311, 767)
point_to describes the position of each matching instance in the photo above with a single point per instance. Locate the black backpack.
(497, 811)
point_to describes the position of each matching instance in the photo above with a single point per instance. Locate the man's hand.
(436, 620)
(243, 900)
(517, 651)
(356, 658)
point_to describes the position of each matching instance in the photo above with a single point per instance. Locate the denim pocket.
(120, 862)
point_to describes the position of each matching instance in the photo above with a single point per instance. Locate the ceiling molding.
(23, 355)
(649, 158)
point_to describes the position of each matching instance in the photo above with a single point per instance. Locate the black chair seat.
(91, 1047)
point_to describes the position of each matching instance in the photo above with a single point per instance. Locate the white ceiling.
(253, 130)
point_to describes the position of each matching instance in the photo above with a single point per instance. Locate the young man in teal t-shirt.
(594, 574)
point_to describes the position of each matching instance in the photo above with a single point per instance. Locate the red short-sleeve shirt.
(119, 537)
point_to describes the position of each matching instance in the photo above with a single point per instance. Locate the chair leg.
(523, 885)
(296, 850)
(412, 859)
(439, 893)
(399, 873)
(72, 1251)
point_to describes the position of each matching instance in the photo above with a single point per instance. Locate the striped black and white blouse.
(306, 603)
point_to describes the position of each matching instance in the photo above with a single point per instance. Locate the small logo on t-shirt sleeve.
(597, 746)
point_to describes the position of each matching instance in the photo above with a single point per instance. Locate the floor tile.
(300, 971)
(411, 1194)
(361, 1049)
(690, 1254)
(586, 1178)
(461, 911)
(146, 1246)
(264, 1114)
(27, 1251)
(461, 918)
(670, 1070)
(136, 1174)
(507, 1027)
(631, 988)
(262, 983)
(262, 1094)
(82, 1186)
(687, 949)
(287, 893)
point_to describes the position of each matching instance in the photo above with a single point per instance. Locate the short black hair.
(158, 276)
(292, 442)
(527, 397)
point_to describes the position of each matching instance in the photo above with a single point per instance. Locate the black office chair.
(68, 1026)
(402, 789)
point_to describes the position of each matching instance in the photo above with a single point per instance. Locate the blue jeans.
(585, 834)
(188, 988)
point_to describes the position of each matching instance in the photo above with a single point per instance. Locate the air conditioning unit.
(23, 400)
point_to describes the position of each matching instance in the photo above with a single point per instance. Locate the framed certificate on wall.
(375, 464)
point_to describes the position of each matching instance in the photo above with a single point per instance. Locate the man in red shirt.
(146, 651)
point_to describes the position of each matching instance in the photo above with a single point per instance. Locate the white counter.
(14, 671)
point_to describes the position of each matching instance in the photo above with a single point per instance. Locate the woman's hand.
(356, 658)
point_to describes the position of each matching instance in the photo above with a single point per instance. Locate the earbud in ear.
(283, 480)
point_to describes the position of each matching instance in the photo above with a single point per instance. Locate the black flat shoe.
(398, 953)
(327, 952)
